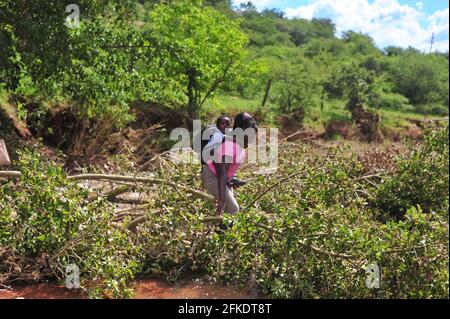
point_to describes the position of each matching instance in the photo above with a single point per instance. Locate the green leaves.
(423, 79)
(311, 236)
(294, 86)
(308, 222)
(44, 214)
(200, 48)
(421, 179)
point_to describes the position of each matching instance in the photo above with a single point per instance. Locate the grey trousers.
(210, 182)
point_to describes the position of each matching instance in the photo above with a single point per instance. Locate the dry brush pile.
(308, 229)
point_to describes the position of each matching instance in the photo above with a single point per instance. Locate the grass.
(393, 118)
(7, 107)
(3, 96)
(314, 118)
(231, 105)
(317, 118)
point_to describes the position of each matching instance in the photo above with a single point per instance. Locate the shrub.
(47, 222)
(315, 234)
(323, 253)
(306, 230)
(435, 109)
(420, 179)
(393, 101)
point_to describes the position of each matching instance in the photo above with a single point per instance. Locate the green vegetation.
(181, 53)
(421, 179)
(47, 223)
(311, 236)
(132, 65)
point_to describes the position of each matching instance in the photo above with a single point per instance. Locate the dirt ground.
(187, 288)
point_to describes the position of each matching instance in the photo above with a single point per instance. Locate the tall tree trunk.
(266, 94)
(289, 102)
(322, 100)
(192, 100)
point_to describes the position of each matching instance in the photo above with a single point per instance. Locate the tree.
(393, 51)
(422, 78)
(200, 48)
(295, 85)
(335, 49)
(302, 31)
(266, 29)
(223, 6)
(35, 33)
(276, 13)
(324, 28)
(108, 68)
(360, 43)
(69, 64)
(354, 82)
(248, 9)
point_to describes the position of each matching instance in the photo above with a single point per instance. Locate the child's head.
(222, 123)
(245, 121)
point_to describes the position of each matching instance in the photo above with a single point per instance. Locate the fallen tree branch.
(273, 186)
(300, 131)
(125, 212)
(278, 232)
(144, 166)
(120, 178)
(329, 253)
(133, 224)
(149, 180)
(366, 177)
(10, 174)
(129, 201)
(411, 249)
(111, 195)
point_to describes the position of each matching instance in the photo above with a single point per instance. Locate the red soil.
(144, 289)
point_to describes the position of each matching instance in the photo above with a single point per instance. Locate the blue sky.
(429, 6)
(389, 22)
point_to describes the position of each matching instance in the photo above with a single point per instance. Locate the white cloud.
(419, 5)
(386, 21)
(439, 24)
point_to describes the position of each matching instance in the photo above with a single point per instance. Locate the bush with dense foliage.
(307, 230)
(422, 178)
(48, 223)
